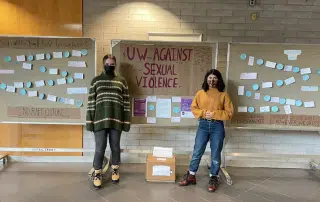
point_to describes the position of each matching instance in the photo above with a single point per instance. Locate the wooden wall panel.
(41, 18)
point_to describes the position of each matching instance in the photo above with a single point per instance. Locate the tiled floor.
(32, 182)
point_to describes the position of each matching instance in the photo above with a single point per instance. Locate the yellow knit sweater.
(219, 103)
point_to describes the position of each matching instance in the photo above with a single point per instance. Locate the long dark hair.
(220, 83)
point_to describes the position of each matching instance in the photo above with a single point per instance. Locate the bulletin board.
(45, 79)
(163, 78)
(274, 86)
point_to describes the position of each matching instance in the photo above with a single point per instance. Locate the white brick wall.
(290, 21)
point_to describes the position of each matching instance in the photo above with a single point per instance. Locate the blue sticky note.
(248, 93)
(66, 54)
(7, 59)
(243, 56)
(30, 57)
(23, 92)
(296, 69)
(29, 84)
(151, 107)
(3, 86)
(64, 73)
(299, 103)
(79, 103)
(279, 83)
(50, 82)
(255, 87)
(274, 108)
(251, 109)
(176, 110)
(282, 101)
(70, 80)
(41, 96)
(279, 66)
(260, 62)
(43, 68)
(61, 99)
(48, 56)
(306, 77)
(267, 98)
(84, 52)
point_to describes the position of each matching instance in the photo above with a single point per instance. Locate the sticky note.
(299, 103)
(53, 71)
(152, 99)
(275, 99)
(42, 96)
(32, 93)
(279, 66)
(23, 92)
(288, 68)
(57, 54)
(6, 71)
(7, 59)
(251, 109)
(242, 109)
(305, 71)
(267, 85)
(69, 101)
(3, 86)
(274, 108)
(64, 73)
(289, 81)
(72, 63)
(257, 96)
(271, 64)
(305, 77)
(30, 57)
(260, 62)
(11, 89)
(79, 103)
(292, 54)
(255, 87)
(84, 52)
(251, 61)
(314, 88)
(48, 56)
(52, 98)
(21, 58)
(240, 90)
(305, 88)
(70, 80)
(248, 93)
(287, 109)
(43, 69)
(252, 75)
(27, 66)
(290, 102)
(309, 104)
(81, 64)
(151, 119)
(40, 56)
(151, 107)
(18, 84)
(66, 54)
(50, 82)
(61, 81)
(265, 109)
(175, 119)
(176, 99)
(76, 53)
(243, 56)
(40, 83)
(267, 98)
(29, 84)
(283, 101)
(83, 90)
(296, 69)
(78, 75)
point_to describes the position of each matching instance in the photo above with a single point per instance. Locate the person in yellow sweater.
(211, 106)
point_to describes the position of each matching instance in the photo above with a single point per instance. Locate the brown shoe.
(188, 179)
(213, 183)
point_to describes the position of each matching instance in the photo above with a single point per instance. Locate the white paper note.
(288, 68)
(78, 75)
(292, 54)
(21, 58)
(71, 91)
(68, 101)
(11, 89)
(163, 108)
(175, 119)
(151, 120)
(18, 84)
(257, 96)
(267, 85)
(52, 98)
(275, 99)
(81, 64)
(163, 152)
(289, 81)
(72, 63)
(32, 93)
(305, 71)
(160, 170)
(6, 71)
(242, 109)
(265, 109)
(290, 102)
(287, 109)
(152, 99)
(40, 83)
(61, 81)
(252, 75)
(314, 88)
(176, 99)
(309, 104)
(251, 61)
(76, 53)
(40, 56)
(305, 88)
(27, 66)
(271, 64)
(53, 71)
(57, 54)
(240, 90)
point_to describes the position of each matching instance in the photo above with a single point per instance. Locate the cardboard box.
(159, 169)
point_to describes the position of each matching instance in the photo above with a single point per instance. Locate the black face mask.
(109, 69)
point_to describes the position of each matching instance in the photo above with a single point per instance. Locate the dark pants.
(101, 137)
(213, 131)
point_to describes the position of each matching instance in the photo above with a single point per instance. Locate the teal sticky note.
(29, 84)
(43, 69)
(260, 62)
(251, 109)
(66, 54)
(267, 98)
(282, 101)
(279, 83)
(296, 69)
(7, 59)
(64, 73)
(48, 56)
(299, 103)
(255, 87)
(306, 77)
(50, 82)
(176, 110)
(274, 108)
(30, 57)
(70, 80)
(243, 56)
(61, 99)
(79, 103)
(3, 86)
(23, 92)
(151, 107)
(279, 66)
(248, 94)
(42, 96)
(84, 52)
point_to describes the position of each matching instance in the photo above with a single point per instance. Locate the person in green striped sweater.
(108, 113)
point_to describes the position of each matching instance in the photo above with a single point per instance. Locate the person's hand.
(208, 115)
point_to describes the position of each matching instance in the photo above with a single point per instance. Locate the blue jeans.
(213, 131)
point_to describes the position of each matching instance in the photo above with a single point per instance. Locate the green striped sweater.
(108, 104)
